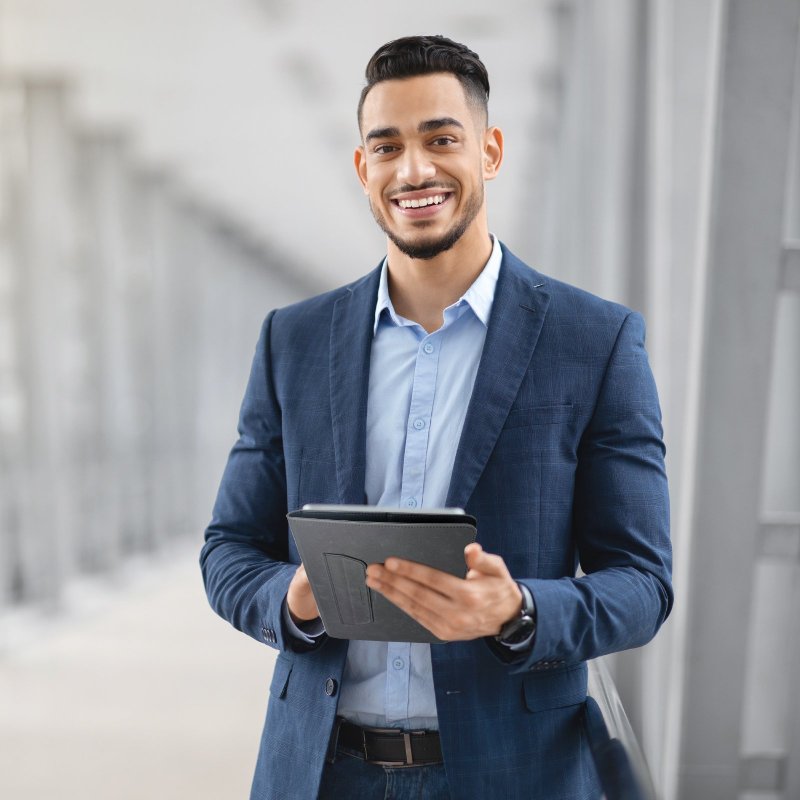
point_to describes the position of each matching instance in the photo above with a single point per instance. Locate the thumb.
(481, 562)
(471, 552)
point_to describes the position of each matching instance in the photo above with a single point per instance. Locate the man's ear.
(360, 162)
(492, 152)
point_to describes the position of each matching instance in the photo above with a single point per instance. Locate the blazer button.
(330, 687)
(265, 634)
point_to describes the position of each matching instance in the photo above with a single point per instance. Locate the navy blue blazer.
(560, 460)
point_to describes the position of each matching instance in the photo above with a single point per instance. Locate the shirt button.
(428, 348)
(330, 687)
(419, 424)
(398, 663)
(411, 502)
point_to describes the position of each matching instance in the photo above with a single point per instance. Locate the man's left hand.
(453, 609)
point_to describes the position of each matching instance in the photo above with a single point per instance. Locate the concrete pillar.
(140, 303)
(771, 725)
(116, 282)
(757, 59)
(49, 346)
(153, 190)
(174, 324)
(12, 389)
(590, 236)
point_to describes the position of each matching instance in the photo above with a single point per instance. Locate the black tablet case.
(337, 544)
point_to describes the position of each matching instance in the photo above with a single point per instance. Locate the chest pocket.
(538, 415)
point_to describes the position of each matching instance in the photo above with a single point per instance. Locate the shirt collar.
(479, 296)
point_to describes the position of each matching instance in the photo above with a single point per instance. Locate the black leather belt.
(389, 747)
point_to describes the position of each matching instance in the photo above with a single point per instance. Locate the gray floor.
(138, 691)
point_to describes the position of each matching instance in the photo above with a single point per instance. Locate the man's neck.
(421, 289)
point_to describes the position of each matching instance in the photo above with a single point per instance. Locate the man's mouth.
(421, 202)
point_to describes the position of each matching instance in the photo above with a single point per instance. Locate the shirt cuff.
(306, 631)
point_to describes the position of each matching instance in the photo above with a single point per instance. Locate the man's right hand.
(299, 599)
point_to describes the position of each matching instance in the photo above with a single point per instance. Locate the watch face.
(518, 630)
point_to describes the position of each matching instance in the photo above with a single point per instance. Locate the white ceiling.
(252, 102)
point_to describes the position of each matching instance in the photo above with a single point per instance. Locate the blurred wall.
(129, 314)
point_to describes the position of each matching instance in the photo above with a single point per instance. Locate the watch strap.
(523, 626)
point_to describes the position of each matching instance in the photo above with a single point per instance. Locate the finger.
(486, 563)
(448, 620)
(473, 574)
(470, 552)
(433, 578)
(472, 548)
(400, 589)
(467, 596)
(428, 618)
(300, 579)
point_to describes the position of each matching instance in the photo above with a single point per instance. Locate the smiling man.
(451, 375)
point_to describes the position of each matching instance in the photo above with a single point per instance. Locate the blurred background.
(169, 172)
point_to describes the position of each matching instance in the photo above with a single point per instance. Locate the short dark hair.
(424, 55)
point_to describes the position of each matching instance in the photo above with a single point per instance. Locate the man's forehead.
(404, 102)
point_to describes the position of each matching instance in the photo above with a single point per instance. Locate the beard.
(428, 247)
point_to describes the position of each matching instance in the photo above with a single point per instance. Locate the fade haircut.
(424, 55)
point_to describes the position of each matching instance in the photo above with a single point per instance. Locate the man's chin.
(424, 249)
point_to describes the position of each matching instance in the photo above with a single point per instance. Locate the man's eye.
(443, 140)
(384, 149)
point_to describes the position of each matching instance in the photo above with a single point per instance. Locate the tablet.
(337, 543)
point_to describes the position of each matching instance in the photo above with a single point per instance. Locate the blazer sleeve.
(245, 559)
(620, 523)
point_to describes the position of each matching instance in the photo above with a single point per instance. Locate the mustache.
(410, 187)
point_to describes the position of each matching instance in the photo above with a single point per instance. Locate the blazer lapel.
(351, 340)
(518, 312)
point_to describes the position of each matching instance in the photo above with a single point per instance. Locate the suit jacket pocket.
(280, 676)
(538, 415)
(556, 689)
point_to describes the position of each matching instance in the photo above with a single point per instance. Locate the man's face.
(423, 161)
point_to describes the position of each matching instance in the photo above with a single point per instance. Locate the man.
(451, 375)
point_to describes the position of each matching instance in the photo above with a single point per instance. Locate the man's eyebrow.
(434, 124)
(428, 126)
(382, 133)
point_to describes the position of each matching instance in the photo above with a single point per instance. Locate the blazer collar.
(350, 350)
(518, 312)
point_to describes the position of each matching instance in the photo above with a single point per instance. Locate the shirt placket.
(412, 493)
(418, 424)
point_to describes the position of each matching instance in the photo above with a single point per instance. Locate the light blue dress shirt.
(419, 388)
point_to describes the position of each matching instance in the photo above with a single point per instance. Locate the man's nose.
(415, 167)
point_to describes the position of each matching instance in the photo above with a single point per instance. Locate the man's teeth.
(422, 201)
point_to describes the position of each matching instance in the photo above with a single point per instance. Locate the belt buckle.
(409, 762)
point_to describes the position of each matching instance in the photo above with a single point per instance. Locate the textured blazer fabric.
(562, 463)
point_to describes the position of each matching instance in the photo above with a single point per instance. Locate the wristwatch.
(522, 626)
